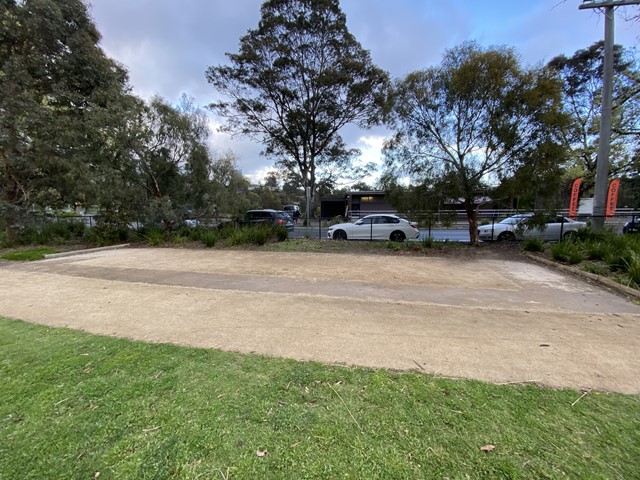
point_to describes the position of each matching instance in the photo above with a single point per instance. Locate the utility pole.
(604, 142)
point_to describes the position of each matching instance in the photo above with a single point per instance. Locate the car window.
(365, 221)
(512, 220)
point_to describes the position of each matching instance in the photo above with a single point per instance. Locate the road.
(474, 315)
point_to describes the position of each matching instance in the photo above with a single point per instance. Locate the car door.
(381, 228)
(361, 230)
(554, 228)
(386, 226)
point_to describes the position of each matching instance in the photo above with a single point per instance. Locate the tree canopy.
(56, 86)
(582, 76)
(296, 81)
(475, 119)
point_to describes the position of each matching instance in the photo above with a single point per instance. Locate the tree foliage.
(296, 81)
(475, 119)
(56, 86)
(582, 76)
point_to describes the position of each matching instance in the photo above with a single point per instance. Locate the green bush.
(260, 235)
(567, 252)
(282, 234)
(196, 234)
(209, 238)
(154, 236)
(632, 267)
(597, 250)
(428, 242)
(533, 245)
(56, 232)
(179, 238)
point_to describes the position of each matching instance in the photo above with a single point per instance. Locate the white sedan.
(515, 227)
(375, 227)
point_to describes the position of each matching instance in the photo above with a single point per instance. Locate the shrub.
(597, 250)
(282, 233)
(196, 234)
(533, 245)
(179, 239)
(154, 237)
(209, 238)
(633, 267)
(260, 235)
(567, 252)
(620, 259)
(428, 242)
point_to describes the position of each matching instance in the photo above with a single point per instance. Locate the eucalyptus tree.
(471, 121)
(170, 161)
(56, 88)
(297, 80)
(582, 76)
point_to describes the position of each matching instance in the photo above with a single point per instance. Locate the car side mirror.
(359, 222)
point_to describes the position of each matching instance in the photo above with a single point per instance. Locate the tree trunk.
(472, 217)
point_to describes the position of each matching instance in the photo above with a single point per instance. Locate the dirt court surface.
(484, 318)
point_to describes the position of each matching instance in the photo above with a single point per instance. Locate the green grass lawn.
(28, 254)
(73, 405)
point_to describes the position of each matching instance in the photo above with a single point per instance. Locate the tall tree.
(475, 118)
(581, 75)
(296, 81)
(170, 159)
(56, 86)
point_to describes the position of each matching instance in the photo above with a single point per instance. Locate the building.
(355, 205)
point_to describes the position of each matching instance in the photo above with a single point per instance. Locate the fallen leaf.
(261, 453)
(96, 475)
(488, 448)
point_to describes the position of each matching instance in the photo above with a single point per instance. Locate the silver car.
(515, 227)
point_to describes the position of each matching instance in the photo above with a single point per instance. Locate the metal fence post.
(561, 228)
(429, 227)
(319, 228)
(493, 222)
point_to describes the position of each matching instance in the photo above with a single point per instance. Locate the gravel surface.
(487, 317)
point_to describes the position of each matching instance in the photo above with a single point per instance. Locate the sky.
(167, 45)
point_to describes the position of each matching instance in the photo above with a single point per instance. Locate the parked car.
(272, 217)
(515, 227)
(375, 227)
(291, 209)
(631, 226)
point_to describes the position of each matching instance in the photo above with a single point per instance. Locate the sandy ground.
(484, 318)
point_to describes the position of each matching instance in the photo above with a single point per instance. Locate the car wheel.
(340, 235)
(397, 236)
(506, 237)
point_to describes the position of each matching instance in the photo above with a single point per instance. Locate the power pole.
(604, 142)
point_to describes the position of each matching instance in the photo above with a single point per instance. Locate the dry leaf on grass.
(488, 448)
(261, 453)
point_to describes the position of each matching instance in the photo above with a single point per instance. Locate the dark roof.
(370, 192)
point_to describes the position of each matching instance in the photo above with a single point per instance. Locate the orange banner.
(612, 197)
(575, 196)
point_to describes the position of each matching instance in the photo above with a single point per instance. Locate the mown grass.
(27, 254)
(77, 406)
